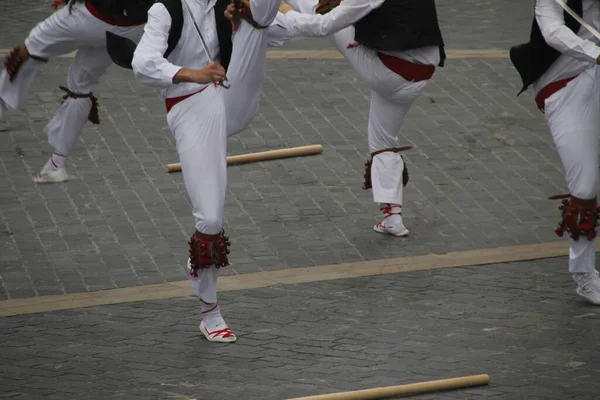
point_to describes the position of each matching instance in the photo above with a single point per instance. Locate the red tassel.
(59, 3)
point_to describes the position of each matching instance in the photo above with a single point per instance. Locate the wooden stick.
(413, 388)
(263, 156)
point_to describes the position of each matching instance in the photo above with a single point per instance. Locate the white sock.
(58, 160)
(55, 162)
(394, 210)
(212, 317)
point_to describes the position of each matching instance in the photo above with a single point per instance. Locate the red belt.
(410, 71)
(122, 21)
(549, 90)
(172, 101)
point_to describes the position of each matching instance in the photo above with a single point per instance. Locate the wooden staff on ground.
(263, 156)
(413, 388)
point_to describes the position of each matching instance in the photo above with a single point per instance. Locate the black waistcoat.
(400, 25)
(534, 58)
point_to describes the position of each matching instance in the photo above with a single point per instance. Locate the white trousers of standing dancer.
(573, 117)
(391, 98)
(59, 34)
(199, 127)
(202, 123)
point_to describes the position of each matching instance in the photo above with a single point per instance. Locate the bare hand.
(284, 7)
(230, 11)
(233, 15)
(213, 72)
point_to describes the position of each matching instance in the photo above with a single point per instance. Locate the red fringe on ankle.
(207, 250)
(579, 218)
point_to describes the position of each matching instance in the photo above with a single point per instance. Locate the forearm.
(185, 75)
(347, 13)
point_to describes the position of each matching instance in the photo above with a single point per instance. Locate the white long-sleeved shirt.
(579, 50)
(346, 14)
(150, 66)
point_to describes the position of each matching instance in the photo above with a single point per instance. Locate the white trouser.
(247, 67)
(391, 98)
(573, 117)
(202, 122)
(59, 34)
(198, 124)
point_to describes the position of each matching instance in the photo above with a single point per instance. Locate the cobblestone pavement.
(532, 335)
(481, 170)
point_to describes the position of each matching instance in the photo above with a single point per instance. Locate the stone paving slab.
(481, 170)
(520, 323)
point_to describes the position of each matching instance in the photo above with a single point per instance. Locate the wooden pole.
(413, 388)
(263, 156)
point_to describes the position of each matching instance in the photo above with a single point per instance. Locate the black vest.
(400, 25)
(534, 58)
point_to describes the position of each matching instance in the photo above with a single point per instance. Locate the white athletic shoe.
(392, 223)
(51, 173)
(3, 121)
(215, 329)
(588, 286)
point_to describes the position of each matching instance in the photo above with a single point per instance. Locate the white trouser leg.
(14, 94)
(58, 34)
(86, 69)
(573, 116)
(247, 67)
(198, 125)
(205, 284)
(391, 98)
(385, 120)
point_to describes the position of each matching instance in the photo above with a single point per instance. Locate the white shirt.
(348, 13)
(150, 66)
(579, 50)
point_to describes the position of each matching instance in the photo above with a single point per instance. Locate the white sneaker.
(588, 286)
(51, 173)
(214, 327)
(392, 223)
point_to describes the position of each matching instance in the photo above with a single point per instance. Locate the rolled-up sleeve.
(149, 64)
(341, 17)
(550, 18)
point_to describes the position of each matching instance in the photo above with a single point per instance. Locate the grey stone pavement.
(481, 170)
(482, 167)
(528, 331)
